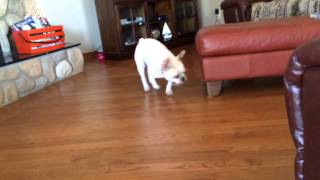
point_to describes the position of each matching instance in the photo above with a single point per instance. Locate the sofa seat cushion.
(256, 37)
(245, 65)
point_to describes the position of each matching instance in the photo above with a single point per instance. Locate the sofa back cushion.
(283, 8)
(256, 37)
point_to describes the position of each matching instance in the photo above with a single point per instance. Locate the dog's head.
(174, 70)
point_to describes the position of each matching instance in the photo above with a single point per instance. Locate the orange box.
(38, 40)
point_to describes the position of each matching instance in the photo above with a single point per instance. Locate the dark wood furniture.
(123, 22)
(238, 10)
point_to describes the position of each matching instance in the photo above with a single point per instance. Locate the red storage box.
(39, 40)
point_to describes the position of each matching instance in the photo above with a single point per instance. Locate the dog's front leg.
(153, 81)
(169, 91)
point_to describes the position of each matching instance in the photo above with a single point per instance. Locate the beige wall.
(79, 19)
(206, 11)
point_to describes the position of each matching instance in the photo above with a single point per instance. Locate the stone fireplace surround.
(23, 78)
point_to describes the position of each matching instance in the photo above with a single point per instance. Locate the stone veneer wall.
(11, 11)
(25, 77)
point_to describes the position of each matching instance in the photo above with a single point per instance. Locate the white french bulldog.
(160, 63)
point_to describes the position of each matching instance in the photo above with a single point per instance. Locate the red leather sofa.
(302, 87)
(250, 49)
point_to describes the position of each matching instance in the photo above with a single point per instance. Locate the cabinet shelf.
(157, 22)
(131, 25)
(186, 17)
(120, 33)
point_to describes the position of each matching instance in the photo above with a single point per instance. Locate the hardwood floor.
(101, 125)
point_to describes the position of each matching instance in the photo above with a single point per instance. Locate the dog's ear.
(181, 54)
(165, 65)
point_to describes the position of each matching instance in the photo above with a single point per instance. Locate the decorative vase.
(166, 33)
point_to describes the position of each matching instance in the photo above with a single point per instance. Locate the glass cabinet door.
(186, 20)
(133, 24)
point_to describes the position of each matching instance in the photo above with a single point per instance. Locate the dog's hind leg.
(141, 71)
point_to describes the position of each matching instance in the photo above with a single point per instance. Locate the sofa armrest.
(237, 10)
(302, 58)
(301, 82)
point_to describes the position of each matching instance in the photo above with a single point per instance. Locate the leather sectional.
(251, 49)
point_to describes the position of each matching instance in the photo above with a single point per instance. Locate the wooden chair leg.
(214, 88)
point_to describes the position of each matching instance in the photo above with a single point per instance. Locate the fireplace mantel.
(15, 57)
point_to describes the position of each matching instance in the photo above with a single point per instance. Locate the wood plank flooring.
(101, 125)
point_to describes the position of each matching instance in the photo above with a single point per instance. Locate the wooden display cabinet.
(124, 22)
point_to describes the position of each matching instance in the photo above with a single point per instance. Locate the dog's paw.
(146, 89)
(169, 93)
(156, 87)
